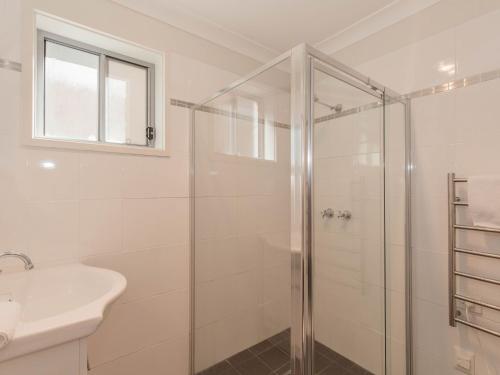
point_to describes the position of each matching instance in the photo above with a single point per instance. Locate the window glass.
(71, 93)
(126, 103)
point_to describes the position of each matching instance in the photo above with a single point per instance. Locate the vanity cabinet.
(65, 359)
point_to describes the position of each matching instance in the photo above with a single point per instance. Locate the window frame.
(104, 56)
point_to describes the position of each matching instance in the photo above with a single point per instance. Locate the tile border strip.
(10, 65)
(455, 84)
(208, 109)
(438, 89)
(441, 88)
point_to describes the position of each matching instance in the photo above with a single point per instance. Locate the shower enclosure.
(299, 229)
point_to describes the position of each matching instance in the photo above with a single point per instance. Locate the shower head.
(337, 108)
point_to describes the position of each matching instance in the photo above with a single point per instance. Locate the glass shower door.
(348, 225)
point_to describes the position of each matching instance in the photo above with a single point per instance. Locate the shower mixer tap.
(344, 215)
(327, 213)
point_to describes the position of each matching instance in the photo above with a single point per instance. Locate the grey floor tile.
(253, 366)
(244, 355)
(216, 369)
(335, 369)
(261, 347)
(283, 370)
(320, 362)
(274, 358)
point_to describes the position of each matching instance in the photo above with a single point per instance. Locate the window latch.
(150, 133)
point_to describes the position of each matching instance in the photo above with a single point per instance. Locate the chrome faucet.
(28, 264)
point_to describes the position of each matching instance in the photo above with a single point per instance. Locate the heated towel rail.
(453, 226)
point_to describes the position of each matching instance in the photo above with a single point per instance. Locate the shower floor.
(272, 357)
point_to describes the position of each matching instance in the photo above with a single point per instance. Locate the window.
(89, 94)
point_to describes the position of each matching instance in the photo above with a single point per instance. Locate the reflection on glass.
(126, 103)
(247, 127)
(241, 227)
(269, 138)
(242, 129)
(71, 93)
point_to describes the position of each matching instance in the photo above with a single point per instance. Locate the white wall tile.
(101, 176)
(477, 113)
(148, 272)
(52, 229)
(216, 217)
(178, 130)
(10, 99)
(431, 276)
(10, 29)
(100, 226)
(145, 177)
(435, 119)
(14, 230)
(167, 358)
(150, 223)
(133, 326)
(50, 175)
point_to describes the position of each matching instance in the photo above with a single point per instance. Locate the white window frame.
(104, 56)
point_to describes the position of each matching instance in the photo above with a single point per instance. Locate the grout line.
(152, 296)
(142, 349)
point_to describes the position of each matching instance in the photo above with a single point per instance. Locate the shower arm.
(334, 108)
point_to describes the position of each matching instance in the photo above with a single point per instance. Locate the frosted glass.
(126, 103)
(71, 93)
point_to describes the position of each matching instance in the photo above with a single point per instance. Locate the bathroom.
(227, 187)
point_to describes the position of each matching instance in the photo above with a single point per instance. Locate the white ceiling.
(281, 24)
(264, 28)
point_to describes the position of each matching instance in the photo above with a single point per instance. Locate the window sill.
(96, 147)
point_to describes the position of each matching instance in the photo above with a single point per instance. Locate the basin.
(58, 304)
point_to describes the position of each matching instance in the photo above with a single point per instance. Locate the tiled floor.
(272, 357)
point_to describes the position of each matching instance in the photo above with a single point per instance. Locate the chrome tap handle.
(327, 213)
(344, 215)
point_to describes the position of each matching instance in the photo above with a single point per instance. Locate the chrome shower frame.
(304, 59)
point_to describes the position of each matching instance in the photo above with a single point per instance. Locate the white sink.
(58, 304)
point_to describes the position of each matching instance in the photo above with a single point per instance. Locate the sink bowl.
(58, 304)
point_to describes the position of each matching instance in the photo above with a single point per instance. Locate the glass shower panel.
(349, 236)
(241, 227)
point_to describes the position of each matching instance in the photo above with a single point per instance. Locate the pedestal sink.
(59, 305)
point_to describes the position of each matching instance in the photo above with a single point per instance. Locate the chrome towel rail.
(453, 227)
(478, 327)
